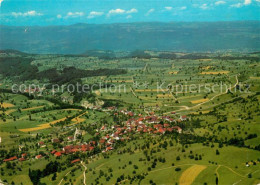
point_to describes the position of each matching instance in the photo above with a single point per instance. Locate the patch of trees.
(236, 142)
(60, 104)
(69, 74)
(112, 103)
(36, 175)
(251, 58)
(29, 96)
(251, 136)
(21, 68)
(194, 56)
(139, 54)
(3, 153)
(167, 56)
(190, 139)
(17, 66)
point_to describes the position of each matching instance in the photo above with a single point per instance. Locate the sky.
(67, 12)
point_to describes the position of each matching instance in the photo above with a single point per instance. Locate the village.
(106, 138)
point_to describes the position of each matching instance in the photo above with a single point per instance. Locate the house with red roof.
(166, 125)
(38, 156)
(162, 130)
(57, 154)
(24, 155)
(183, 118)
(157, 126)
(53, 151)
(75, 161)
(102, 141)
(10, 159)
(68, 149)
(22, 159)
(179, 129)
(103, 128)
(55, 140)
(41, 144)
(130, 114)
(111, 108)
(70, 138)
(109, 148)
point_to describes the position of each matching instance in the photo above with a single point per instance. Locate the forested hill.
(185, 37)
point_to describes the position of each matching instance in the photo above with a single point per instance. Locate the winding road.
(84, 172)
(63, 178)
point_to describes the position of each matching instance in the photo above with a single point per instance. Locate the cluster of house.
(150, 124)
(32, 90)
(151, 115)
(65, 150)
(22, 158)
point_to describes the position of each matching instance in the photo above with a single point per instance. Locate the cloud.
(1, 2)
(121, 11)
(204, 7)
(247, 2)
(116, 11)
(74, 14)
(149, 12)
(257, 1)
(220, 2)
(59, 16)
(168, 8)
(238, 5)
(94, 14)
(29, 13)
(129, 16)
(183, 8)
(133, 10)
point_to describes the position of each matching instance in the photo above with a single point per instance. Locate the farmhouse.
(24, 155)
(183, 118)
(55, 140)
(179, 130)
(70, 138)
(41, 143)
(109, 148)
(38, 156)
(75, 161)
(10, 159)
(22, 159)
(57, 154)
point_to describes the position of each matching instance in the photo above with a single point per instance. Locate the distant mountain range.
(242, 36)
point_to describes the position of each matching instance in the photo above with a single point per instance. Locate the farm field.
(126, 164)
(171, 118)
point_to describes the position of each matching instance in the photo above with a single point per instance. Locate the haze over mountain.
(187, 37)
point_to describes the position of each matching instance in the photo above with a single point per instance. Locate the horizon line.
(136, 22)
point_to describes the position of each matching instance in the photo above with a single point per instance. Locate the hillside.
(186, 37)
